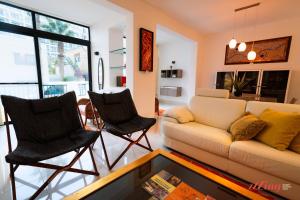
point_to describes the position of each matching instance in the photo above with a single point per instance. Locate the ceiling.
(165, 36)
(86, 12)
(211, 16)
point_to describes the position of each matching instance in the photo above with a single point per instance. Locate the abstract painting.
(267, 51)
(146, 50)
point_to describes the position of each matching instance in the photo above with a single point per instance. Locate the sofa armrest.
(169, 119)
(180, 113)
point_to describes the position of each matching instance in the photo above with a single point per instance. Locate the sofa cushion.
(246, 127)
(284, 164)
(181, 113)
(204, 137)
(282, 128)
(295, 144)
(216, 112)
(257, 107)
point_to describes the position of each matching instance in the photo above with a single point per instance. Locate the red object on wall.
(123, 80)
(146, 50)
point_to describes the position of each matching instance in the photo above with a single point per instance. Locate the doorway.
(176, 77)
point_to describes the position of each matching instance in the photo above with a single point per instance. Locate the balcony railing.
(31, 90)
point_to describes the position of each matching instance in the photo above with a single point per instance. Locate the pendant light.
(252, 54)
(232, 43)
(242, 46)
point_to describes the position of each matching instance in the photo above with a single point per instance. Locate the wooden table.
(125, 183)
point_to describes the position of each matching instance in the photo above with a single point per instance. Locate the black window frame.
(36, 34)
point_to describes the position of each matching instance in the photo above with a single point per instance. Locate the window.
(42, 58)
(24, 59)
(17, 66)
(15, 16)
(63, 71)
(60, 27)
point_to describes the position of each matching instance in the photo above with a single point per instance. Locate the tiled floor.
(168, 105)
(28, 179)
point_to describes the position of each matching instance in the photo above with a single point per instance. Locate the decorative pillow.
(246, 127)
(281, 130)
(180, 113)
(244, 114)
(295, 144)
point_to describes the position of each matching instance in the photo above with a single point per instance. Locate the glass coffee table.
(127, 182)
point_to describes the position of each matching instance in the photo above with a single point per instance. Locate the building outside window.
(36, 65)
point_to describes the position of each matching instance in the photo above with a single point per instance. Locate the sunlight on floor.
(28, 179)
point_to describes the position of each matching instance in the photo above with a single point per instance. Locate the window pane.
(64, 67)
(15, 16)
(61, 27)
(27, 91)
(17, 63)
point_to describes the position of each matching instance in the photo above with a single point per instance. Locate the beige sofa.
(207, 140)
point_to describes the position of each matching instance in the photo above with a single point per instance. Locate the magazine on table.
(165, 186)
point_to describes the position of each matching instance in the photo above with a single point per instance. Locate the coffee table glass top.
(126, 183)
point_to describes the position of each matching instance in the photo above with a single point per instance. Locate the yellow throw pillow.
(246, 127)
(295, 144)
(181, 113)
(281, 130)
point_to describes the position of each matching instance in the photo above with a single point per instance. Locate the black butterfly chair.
(45, 129)
(121, 119)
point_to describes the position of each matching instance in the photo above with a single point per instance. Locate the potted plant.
(239, 83)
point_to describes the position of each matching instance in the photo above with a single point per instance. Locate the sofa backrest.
(209, 92)
(256, 107)
(216, 112)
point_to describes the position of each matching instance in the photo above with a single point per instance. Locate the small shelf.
(118, 51)
(172, 91)
(117, 67)
(171, 73)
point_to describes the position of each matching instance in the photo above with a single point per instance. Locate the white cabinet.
(272, 84)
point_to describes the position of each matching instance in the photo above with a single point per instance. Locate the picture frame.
(267, 51)
(146, 50)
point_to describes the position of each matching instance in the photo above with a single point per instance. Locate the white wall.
(115, 59)
(215, 53)
(146, 16)
(183, 53)
(100, 42)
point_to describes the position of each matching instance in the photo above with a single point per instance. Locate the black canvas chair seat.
(28, 153)
(46, 128)
(120, 118)
(138, 123)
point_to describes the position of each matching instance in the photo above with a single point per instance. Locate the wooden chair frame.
(89, 113)
(58, 169)
(101, 126)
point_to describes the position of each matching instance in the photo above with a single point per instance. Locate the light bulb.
(242, 47)
(251, 55)
(232, 43)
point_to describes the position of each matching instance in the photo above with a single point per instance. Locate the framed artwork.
(267, 51)
(146, 50)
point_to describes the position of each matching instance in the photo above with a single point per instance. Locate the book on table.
(165, 186)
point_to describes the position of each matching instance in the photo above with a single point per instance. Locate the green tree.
(59, 27)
